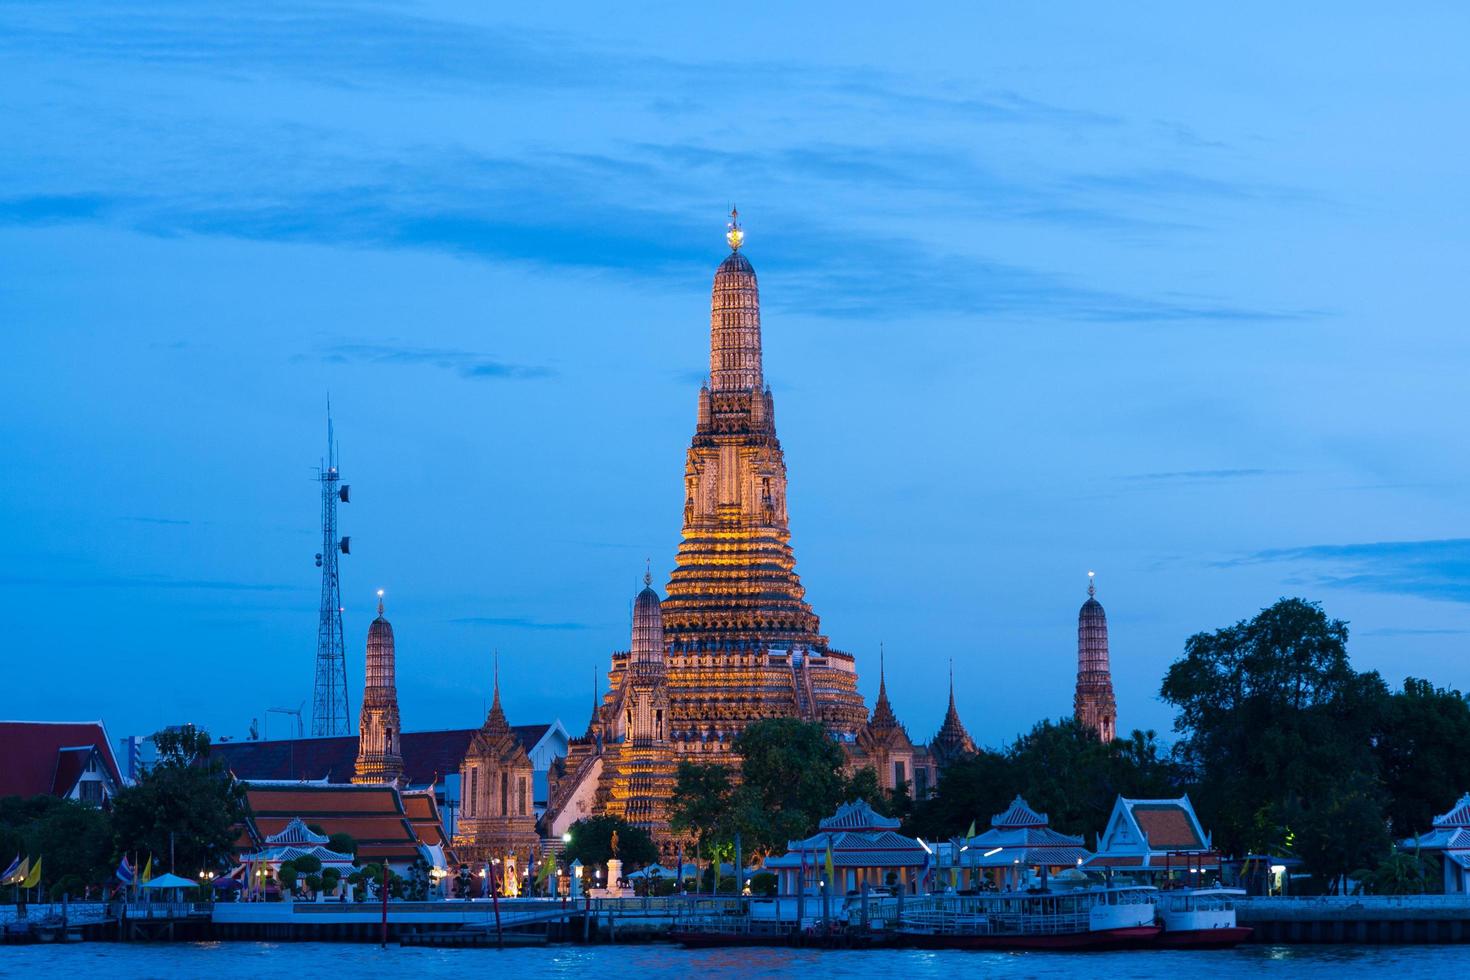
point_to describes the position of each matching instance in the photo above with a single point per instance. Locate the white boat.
(1104, 917)
(1199, 917)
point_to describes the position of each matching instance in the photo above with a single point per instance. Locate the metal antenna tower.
(329, 714)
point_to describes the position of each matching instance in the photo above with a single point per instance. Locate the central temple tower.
(740, 641)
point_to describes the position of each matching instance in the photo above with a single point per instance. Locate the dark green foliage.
(1276, 731)
(763, 883)
(1060, 768)
(187, 794)
(342, 844)
(1402, 873)
(417, 886)
(73, 838)
(1424, 754)
(286, 876)
(72, 885)
(591, 844)
(308, 864)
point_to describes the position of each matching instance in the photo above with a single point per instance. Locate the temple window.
(521, 795)
(898, 775)
(474, 790)
(505, 794)
(658, 723)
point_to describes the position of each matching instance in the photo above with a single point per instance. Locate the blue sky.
(1172, 294)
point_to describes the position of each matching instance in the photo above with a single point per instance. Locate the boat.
(1109, 917)
(1200, 918)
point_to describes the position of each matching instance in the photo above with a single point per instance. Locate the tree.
(591, 843)
(1402, 873)
(1060, 768)
(342, 843)
(1275, 724)
(703, 803)
(188, 799)
(74, 837)
(1422, 754)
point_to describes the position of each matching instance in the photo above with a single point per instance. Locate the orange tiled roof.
(1168, 826)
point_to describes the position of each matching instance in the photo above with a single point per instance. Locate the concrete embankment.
(1368, 919)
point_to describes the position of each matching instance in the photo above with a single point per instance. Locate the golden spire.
(1091, 585)
(734, 235)
(380, 602)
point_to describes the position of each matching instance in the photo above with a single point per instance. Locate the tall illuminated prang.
(741, 642)
(1094, 705)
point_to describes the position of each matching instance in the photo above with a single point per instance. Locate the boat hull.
(1204, 938)
(1128, 937)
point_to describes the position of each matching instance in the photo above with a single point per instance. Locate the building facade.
(497, 817)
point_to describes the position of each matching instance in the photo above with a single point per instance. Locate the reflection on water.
(132, 960)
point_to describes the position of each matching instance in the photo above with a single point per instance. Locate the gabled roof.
(857, 815)
(1458, 815)
(1019, 814)
(297, 833)
(1152, 827)
(38, 757)
(374, 815)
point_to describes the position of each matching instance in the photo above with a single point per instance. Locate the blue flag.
(125, 872)
(9, 872)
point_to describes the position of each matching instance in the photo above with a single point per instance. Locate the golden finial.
(648, 573)
(380, 602)
(1091, 585)
(734, 236)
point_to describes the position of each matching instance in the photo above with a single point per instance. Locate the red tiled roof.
(1167, 825)
(31, 755)
(426, 755)
(375, 816)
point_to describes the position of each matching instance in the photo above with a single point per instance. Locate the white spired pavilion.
(866, 848)
(1450, 839)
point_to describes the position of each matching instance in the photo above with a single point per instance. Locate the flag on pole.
(831, 877)
(148, 870)
(9, 872)
(19, 874)
(125, 872)
(34, 878)
(969, 835)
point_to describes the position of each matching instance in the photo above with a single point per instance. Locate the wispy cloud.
(1435, 569)
(142, 582)
(467, 364)
(1200, 475)
(520, 623)
(1410, 631)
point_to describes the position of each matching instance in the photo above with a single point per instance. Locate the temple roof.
(952, 739)
(1019, 814)
(1457, 816)
(858, 815)
(427, 756)
(46, 757)
(883, 716)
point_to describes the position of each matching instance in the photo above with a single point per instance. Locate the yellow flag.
(148, 870)
(34, 878)
(971, 832)
(831, 877)
(20, 875)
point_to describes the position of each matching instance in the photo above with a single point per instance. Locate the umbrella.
(170, 881)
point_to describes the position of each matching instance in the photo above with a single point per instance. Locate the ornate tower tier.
(379, 757)
(952, 742)
(1094, 704)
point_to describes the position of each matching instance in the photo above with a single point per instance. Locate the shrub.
(763, 883)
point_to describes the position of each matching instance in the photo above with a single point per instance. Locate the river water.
(95, 961)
